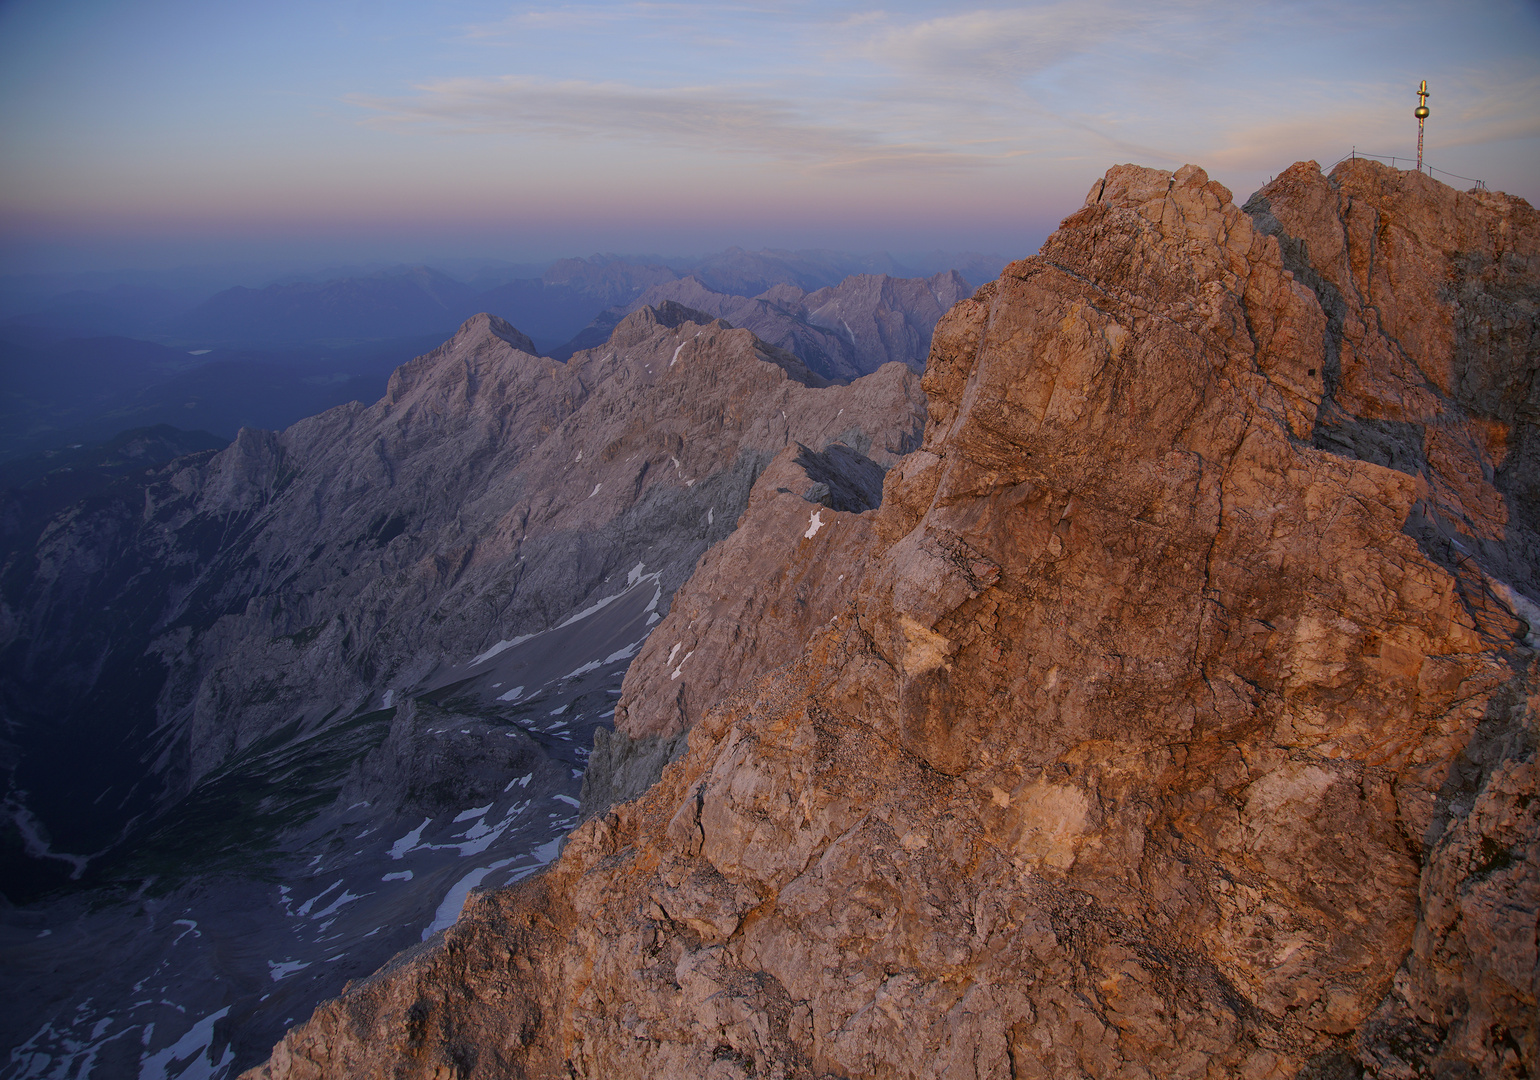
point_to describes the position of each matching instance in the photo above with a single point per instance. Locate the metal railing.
(1481, 185)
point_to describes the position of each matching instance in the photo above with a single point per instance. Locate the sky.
(168, 132)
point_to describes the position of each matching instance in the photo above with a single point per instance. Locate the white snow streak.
(449, 911)
(284, 970)
(194, 1045)
(499, 647)
(594, 665)
(409, 841)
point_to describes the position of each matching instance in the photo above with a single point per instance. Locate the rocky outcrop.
(886, 318)
(1165, 732)
(840, 331)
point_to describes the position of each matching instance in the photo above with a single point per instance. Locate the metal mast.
(1421, 114)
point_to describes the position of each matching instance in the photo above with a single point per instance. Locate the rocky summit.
(1171, 714)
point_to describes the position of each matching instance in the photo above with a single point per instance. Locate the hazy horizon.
(165, 133)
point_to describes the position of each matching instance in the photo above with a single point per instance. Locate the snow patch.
(473, 812)
(193, 1048)
(399, 875)
(476, 844)
(814, 524)
(595, 491)
(448, 912)
(390, 696)
(304, 909)
(511, 695)
(567, 799)
(409, 841)
(280, 971)
(594, 665)
(482, 658)
(675, 360)
(331, 909)
(602, 603)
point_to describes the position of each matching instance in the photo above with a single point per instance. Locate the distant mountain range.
(84, 363)
(355, 305)
(840, 331)
(551, 308)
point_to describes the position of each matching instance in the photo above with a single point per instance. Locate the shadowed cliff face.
(1145, 729)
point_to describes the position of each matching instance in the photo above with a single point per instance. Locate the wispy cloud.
(593, 16)
(712, 118)
(993, 44)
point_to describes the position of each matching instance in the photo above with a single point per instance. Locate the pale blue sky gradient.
(150, 132)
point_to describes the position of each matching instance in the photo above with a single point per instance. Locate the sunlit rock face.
(1175, 715)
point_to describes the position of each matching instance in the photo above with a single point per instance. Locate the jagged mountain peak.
(665, 313)
(500, 328)
(482, 343)
(480, 328)
(652, 318)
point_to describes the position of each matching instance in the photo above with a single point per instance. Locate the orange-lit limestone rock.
(1154, 740)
